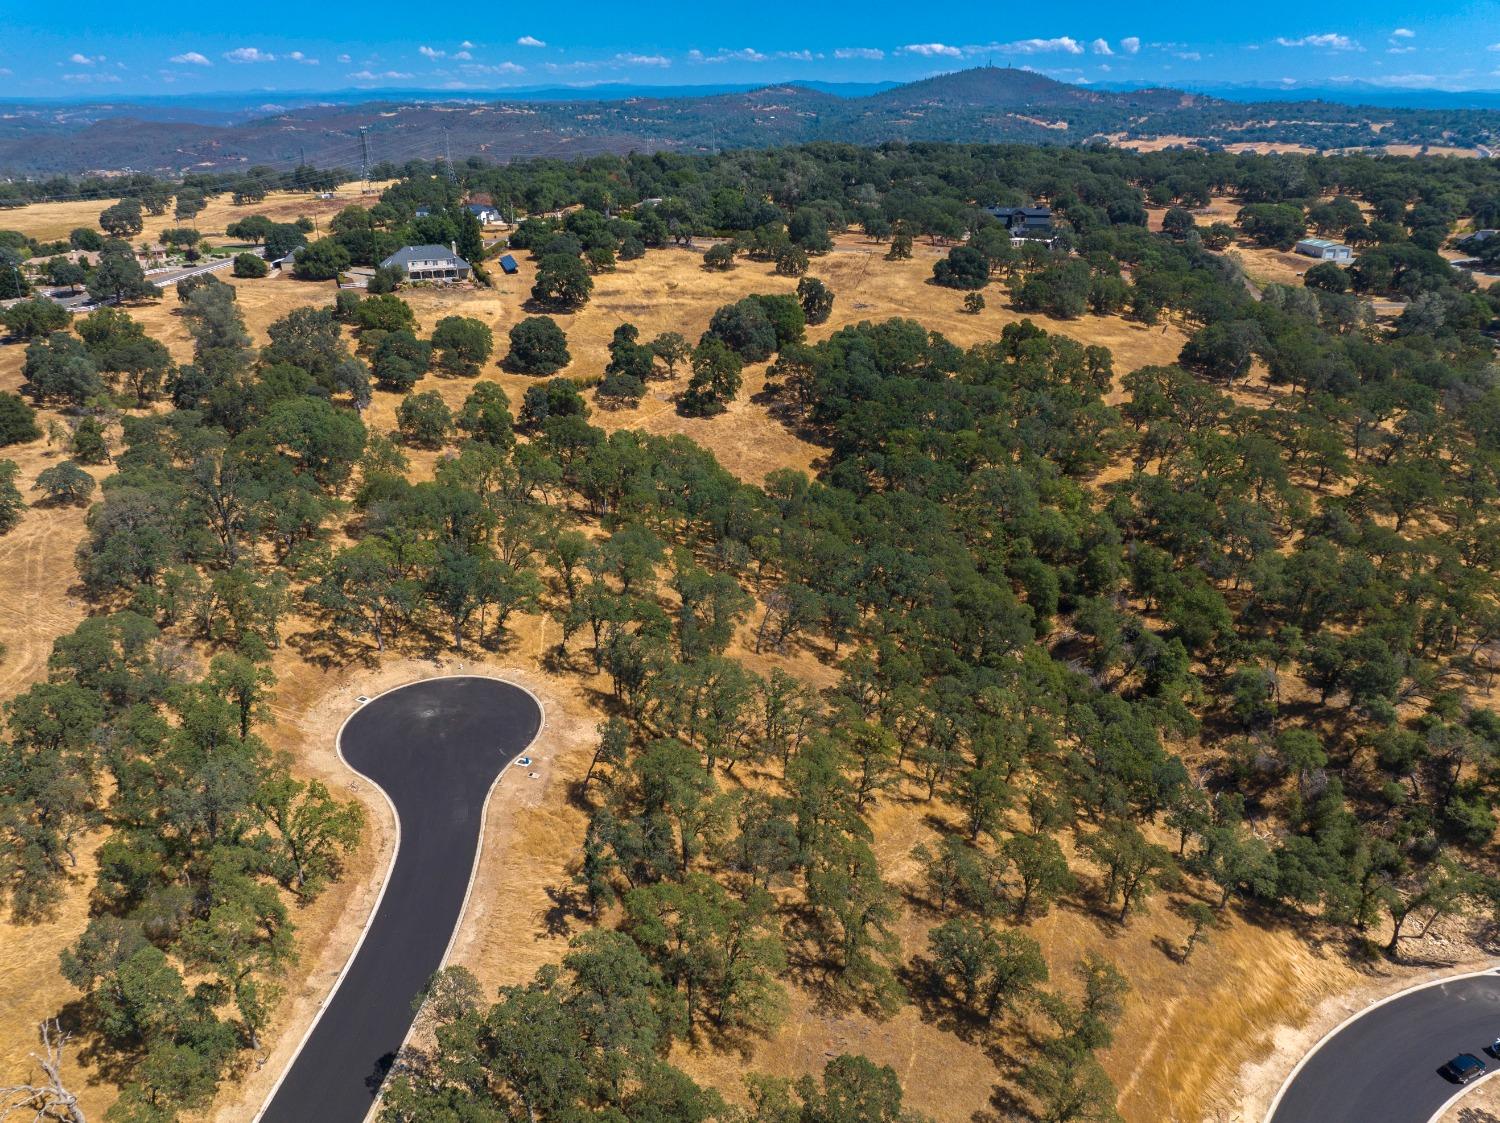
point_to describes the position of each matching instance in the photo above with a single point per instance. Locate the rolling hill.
(982, 104)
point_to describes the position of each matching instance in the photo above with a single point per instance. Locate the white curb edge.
(1461, 1093)
(1354, 1017)
(338, 746)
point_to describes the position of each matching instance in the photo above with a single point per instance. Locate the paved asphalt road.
(1382, 1067)
(435, 747)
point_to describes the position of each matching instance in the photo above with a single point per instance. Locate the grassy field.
(52, 221)
(1250, 995)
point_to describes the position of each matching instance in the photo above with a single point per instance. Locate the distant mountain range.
(986, 104)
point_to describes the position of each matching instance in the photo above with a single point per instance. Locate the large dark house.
(1025, 222)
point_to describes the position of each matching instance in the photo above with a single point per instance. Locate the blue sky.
(90, 48)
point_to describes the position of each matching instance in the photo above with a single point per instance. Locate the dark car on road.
(1463, 1068)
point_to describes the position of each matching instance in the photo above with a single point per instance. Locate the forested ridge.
(1221, 630)
(979, 104)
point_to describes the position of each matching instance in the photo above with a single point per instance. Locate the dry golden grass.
(1429, 150)
(52, 221)
(1233, 997)
(669, 291)
(1263, 266)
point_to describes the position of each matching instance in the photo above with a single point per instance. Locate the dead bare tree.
(48, 1101)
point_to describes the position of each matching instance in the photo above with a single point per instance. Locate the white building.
(428, 263)
(1325, 250)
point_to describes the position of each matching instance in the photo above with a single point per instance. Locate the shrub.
(89, 446)
(964, 268)
(745, 329)
(400, 360)
(791, 261)
(537, 346)
(719, 257)
(1327, 276)
(485, 416)
(717, 374)
(65, 482)
(557, 397)
(250, 265)
(424, 419)
(786, 317)
(17, 421)
(32, 319)
(383, 312)
(322, 260)
(816, 298)
(387, 278)
(619, 389)
(462, 344)
(562, 281)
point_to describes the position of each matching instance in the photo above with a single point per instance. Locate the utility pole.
(364, 149)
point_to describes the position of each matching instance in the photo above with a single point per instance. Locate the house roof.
(508, 264)
(480, 208)
(1323, 243)
(407, 254)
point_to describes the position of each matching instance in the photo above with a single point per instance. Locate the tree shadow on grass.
(568, 905)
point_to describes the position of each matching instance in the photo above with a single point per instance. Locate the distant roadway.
(1382, 1067)
(435, 748)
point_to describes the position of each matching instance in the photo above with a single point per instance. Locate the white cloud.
(345, 59)
(1131, 45)
(1404, 33)
(1062, 43)
(528, 41)
(371, 76)
(744, 54)
(1399, 50)
(874, 54)
(466, 45)
(84, 60)
(642, 60)
(498, 68)
(428, 52)
(1187, 56)
(298, 56)
(191, 58)
(6, 72)
(932, 50)
(1493, 47)
(91, 77)
(796, 56)
(1328, 41)
(249, 54)
(463, 55)
(1101, 47)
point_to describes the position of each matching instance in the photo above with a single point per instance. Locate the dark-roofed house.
(428, 263)
(486, 214)
(1024, 222)
(508, 265)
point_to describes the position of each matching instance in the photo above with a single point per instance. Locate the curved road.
(435, 748)
(1383, 1066)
